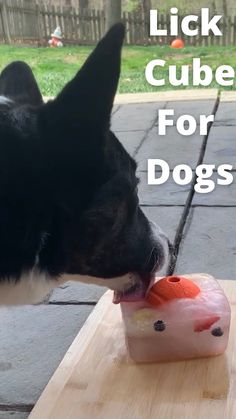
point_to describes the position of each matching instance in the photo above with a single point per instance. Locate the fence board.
(99, 21)
(234, 31)
(229, 29)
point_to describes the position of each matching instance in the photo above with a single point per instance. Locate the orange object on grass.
(170, 288)
(177, 43)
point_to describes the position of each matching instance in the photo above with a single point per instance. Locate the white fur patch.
(4, 100)
(31, 288)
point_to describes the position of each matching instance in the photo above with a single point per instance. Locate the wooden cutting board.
(95, 380)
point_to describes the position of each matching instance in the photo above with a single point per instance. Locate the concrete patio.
(33, 339)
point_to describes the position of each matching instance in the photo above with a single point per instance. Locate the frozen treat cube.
(181, 317)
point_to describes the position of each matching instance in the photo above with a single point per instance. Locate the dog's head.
(75, 183)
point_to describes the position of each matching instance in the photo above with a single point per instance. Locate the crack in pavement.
(155, 120)
(16, 407)
(73, 303)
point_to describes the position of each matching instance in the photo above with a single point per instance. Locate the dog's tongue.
(136, 293)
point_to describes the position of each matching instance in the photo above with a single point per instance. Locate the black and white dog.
(68, 189)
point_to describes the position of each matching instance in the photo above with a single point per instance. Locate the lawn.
(54, 67)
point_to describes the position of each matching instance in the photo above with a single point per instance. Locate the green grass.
(54, 67)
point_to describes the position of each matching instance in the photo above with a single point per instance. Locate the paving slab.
(209, 243)
(173, 148)
(221, 196)
(131, 140)
(168, 193)
(221, 146)
(226, 113)
(137, 117)
(73, 292)
(165, 217)
(33, 340)
(193, 108)
(172, 194)
(13, 415)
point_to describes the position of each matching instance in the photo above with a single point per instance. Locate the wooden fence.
(22, 21)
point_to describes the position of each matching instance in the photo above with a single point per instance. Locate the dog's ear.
(18, 83)
(88, 98)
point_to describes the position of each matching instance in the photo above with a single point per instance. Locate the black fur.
(68, 189)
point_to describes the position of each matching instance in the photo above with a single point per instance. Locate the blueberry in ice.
(217, 331)
(159, 326)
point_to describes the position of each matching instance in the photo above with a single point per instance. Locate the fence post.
(5, 23)
(37, 15)
(112, 12)
(1, 19)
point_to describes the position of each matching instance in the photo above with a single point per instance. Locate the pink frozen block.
(178, 328)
